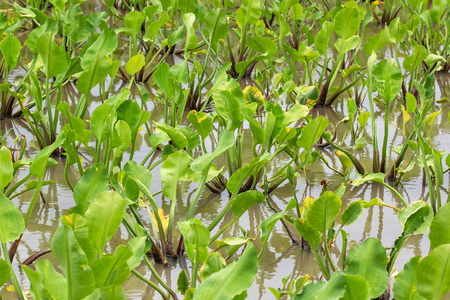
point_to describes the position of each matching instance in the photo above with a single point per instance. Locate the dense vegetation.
(224, 138)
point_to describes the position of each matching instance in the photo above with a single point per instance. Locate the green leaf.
(114, 292)
(10, 47)
(405, 282)
(93, 183)
(112, 269)
(246, 200)
(103, 218)
(440, 227)
(133, 22)
(347, 22)
(5, 272)
(216, 24)
(388, 80)
(54, 57)
(6, 168)
(248, 13)
(191, 37)
(352, 213)
(305, 229)
(312, 132)
(12, 224)
(427, 216)
(331, 290)
(53, 281)
(135, 64)
(324, 211)
(232, 280)
(196, 239)
(378, 41)
(412, 62)
(178, 138)
(73, 262)
(323, 37)
(226, 141)
(80, 230)
(171, 170)
(369, 261)
(213, 264)
(138, 173)
(182, 282)
(433, 273)
(105, 44)
(356, 288)
(95, 75)
(201, 121)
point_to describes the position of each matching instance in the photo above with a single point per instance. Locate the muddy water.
(281, 257)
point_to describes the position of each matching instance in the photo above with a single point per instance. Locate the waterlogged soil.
(281, 257)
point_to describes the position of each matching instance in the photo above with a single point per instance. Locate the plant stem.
(13, 275)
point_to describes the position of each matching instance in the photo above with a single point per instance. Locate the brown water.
(281, 257)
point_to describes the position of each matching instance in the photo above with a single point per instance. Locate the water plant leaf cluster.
(221, 92)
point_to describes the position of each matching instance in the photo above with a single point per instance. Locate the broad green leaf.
(138, 173)
(53, 281)
(133, 22)
(305, 229)
(196, 239)
(253, 95)
(246, 200)
(73, 262)
(388, 80)
(191, 37)
(183, 282)
(375, 177)
(93, 183)
(323, 37)
(53, 56)
(114, 292)
(137, 245)
(347, 22)
(433, 273)
(37, 289)
(112, 269)
(352, 213)
(80, 230)
(229, 109)
(440, 227)
(12, 224)
(232, 280)
(248, 13)
(344, 46)
(176, 136)
(411, 102)
(356, 288)
(5, 272)
(105, 44)
(412, 62)
(121, 138)
(213, 264)
(171, 170)
(226, 141)
(125, 185)
(405, 282)
(295, 113)
(6, 168)
(331, 290)
(202, 123)
(10, 47)
(103, 218)
(95, 75)
(369, 261)
(324, 211)
(378, 41)
(312, 132)
(216, 24)
(135, 64)
(427, 215)
(130, 112)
